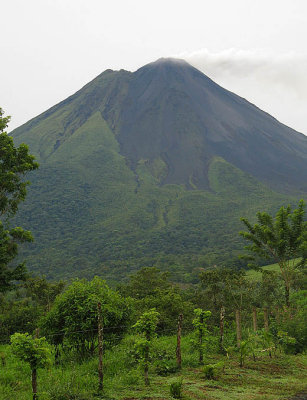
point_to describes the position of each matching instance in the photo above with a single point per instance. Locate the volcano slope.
(153, 167)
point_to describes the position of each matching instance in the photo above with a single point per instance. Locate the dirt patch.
(300, 396)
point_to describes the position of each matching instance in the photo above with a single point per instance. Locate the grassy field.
(266, 379)
(256, 275)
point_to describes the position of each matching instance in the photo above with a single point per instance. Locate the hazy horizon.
(53, 48)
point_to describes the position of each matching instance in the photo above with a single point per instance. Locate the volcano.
(153, 166)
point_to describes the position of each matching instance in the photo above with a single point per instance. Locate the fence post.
(178, 348)
(222, 316)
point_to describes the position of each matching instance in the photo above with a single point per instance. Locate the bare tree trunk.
(100, 349)
(266, 319)
(34, 384)
(255, 319)
(222, 316)
(238, 327)
(178, 348)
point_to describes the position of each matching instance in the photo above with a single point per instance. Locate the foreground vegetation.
(264, 379)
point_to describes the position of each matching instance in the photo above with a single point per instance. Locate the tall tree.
(73, 316)
(15, 162)
(282, 239)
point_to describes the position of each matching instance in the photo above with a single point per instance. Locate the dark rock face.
(171, 113)
(174, 112)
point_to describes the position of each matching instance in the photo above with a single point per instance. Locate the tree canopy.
(282, 239)
(15, 162)
(73, 317)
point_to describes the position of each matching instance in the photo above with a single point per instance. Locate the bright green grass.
(256, 275)
(266, 379)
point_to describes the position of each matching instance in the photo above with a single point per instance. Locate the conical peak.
(172, 70)
(166, 64)
(170, 61)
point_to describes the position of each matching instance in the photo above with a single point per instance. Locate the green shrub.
(213, 371)
(165, 367)
(295, 324)
(176, 388)
(209, 371)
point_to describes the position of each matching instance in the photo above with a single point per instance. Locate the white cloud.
(275, 82)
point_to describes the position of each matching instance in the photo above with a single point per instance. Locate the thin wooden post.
(100, 348)
(255, 319)
(34, 383)
(238, 327)
(178, 348)
(222, 316)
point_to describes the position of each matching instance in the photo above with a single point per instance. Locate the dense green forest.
(90, 227)
(221, 333)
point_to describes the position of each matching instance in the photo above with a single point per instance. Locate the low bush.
(165, 367)
(176, 388)
(214, 371)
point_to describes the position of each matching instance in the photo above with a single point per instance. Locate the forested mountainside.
(153, 167)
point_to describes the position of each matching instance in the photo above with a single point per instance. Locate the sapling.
(146, 327)
(267, 341)
(34, 351)
(176, 388)
(201, 331)
(244, 350)
(213, 371)
(254, 344)
(250, 346)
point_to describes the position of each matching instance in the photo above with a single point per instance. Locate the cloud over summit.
(275, 82)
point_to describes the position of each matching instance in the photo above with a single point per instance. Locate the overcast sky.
(51, 48)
